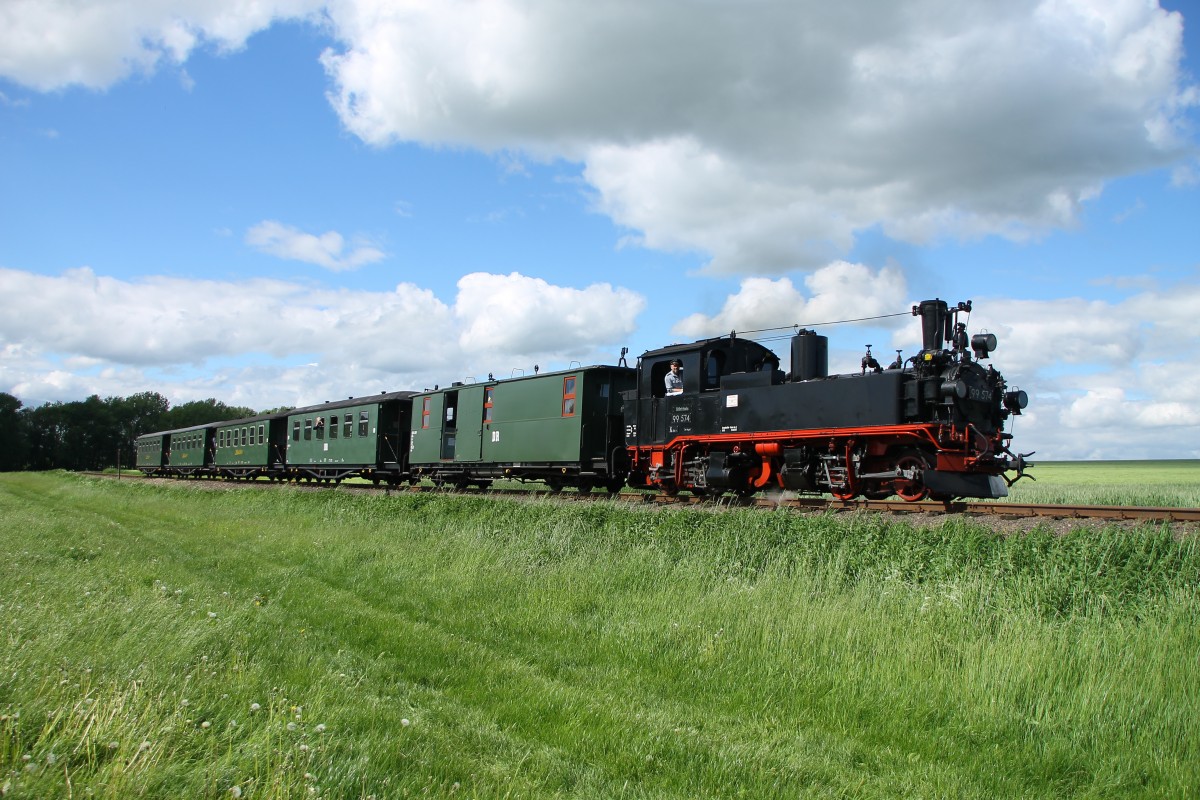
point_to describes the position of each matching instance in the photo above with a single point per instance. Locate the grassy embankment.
(169, 642)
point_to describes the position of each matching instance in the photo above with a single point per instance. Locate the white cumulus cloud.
(326, 250)
(837, 291)
(245, 340)
(766, 137)
(517, 313)
(52, 44)
(769, 137)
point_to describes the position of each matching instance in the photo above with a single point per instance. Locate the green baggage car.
(564, 428)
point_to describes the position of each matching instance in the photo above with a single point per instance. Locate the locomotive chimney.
(935, 323)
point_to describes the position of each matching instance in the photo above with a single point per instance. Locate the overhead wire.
(798, 326)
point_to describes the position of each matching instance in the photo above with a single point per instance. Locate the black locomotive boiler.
(931, 426)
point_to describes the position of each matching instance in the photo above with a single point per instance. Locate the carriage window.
(320, 427)
(296, 431)
(262, 439)
(568, 403)
(425, 402)
(488, 401)
(245, 438)
(348, 426)
(333, 427)
(363, 419)
(308, 429)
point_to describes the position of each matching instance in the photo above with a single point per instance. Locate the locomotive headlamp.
(1015, 400)
(982, 344)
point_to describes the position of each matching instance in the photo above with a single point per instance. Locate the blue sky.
(283, 202)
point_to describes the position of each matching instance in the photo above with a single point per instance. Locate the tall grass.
(413, 645)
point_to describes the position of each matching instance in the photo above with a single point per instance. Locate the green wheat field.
(168, 641)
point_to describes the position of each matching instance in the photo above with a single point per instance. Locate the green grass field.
(164, 641)
(1174, 484)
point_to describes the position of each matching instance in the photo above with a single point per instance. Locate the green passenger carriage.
(152, 453)
(364, 437)
(251, 447)
(189, 450)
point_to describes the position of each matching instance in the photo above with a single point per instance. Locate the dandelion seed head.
(235, 791)
(183, 702)
(291, 726)
(321, 728)
(144, 746)
(206, 724)
(212, 615)
(254, 707)
(405, 722)
(303, 748)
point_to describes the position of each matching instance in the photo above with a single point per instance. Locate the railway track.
(1006, 510)
(813, 504)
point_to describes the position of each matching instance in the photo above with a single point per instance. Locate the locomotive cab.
(706, 365)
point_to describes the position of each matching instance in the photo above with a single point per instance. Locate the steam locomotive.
(732, 421)
(931, 426)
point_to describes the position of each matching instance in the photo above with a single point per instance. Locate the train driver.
(674, 378)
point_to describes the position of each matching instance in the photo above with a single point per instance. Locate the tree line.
(93, 434)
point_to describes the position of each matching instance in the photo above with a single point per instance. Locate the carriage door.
(470, 424)
(449, 426)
